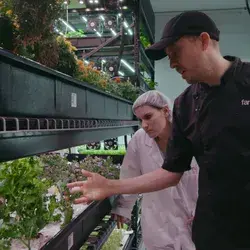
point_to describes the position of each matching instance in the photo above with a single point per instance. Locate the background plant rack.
(76, 233)
(142, 13)
(19, 135)
(80, 44)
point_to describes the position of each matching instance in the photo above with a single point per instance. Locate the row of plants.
(34, 195)
(27, 29)
(104, 232)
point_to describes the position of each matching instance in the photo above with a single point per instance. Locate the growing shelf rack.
(111, 37)
(42, 110)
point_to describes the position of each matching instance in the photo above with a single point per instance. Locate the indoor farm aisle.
(34, 201)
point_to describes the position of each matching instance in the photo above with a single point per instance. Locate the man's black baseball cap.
(186, 23)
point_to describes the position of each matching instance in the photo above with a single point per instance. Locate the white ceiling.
(182, 5)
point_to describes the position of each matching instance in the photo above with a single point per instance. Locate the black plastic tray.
(74, 235)
(29, 89)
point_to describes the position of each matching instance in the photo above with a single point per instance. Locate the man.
(211, 121)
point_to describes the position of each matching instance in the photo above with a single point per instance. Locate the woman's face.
(153, 120)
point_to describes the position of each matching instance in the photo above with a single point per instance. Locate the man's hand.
(96, 187)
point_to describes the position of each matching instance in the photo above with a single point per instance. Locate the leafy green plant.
(67, 60)
(144, 40)
(36, 18)
(75, 34)
(25, 211)
(58, 172)
(151, 84)
(114, 241)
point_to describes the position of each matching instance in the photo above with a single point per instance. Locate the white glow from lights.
(127, 65)
(66, 24)
(84, 19)
(114, 33)
(130, 32)
(81, 2)
(97, 9)
(91, 1)
(120, 14)
(96, 1)
(104, 61)
(87, 62)
(125, 7)
(121, 0)
(98, 33)
(101, 16)
(125, 24)
(59, 32)
(102, 9)
(121, 73)
(65, 2)
(87, 9)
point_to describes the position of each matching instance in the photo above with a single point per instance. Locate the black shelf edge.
(143, 8)
(35, 67)
(129, 242)
(146, 60)
(74, 235)
(18, 144)
(143, 85)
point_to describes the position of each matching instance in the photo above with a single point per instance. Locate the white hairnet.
(154, 99)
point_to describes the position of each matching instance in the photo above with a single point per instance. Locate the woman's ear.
(166, 111)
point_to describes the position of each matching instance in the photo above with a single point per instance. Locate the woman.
(165, 213)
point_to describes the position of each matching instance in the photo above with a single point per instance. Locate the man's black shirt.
(212, 124)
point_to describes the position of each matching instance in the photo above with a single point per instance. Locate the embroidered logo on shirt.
(245, 102)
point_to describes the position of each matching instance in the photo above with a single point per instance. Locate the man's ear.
(205, 39)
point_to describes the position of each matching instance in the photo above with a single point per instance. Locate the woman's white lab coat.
(165, 213)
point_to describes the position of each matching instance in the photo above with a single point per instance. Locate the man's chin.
(191, 82)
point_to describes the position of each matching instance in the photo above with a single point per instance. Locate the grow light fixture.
(113, 32)
(65, 2)
(87, 62)
(96, 1)
(101, 16)
(127, 65)
(91, 1)
(120, 73)
(104, 61)
(125, 7)
(67, 25)
(98, 33)
(81, 2)
(84, 19)
(130, 32)
(59, 32)
(125, 24)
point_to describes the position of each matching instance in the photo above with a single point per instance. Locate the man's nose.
(173, 64)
